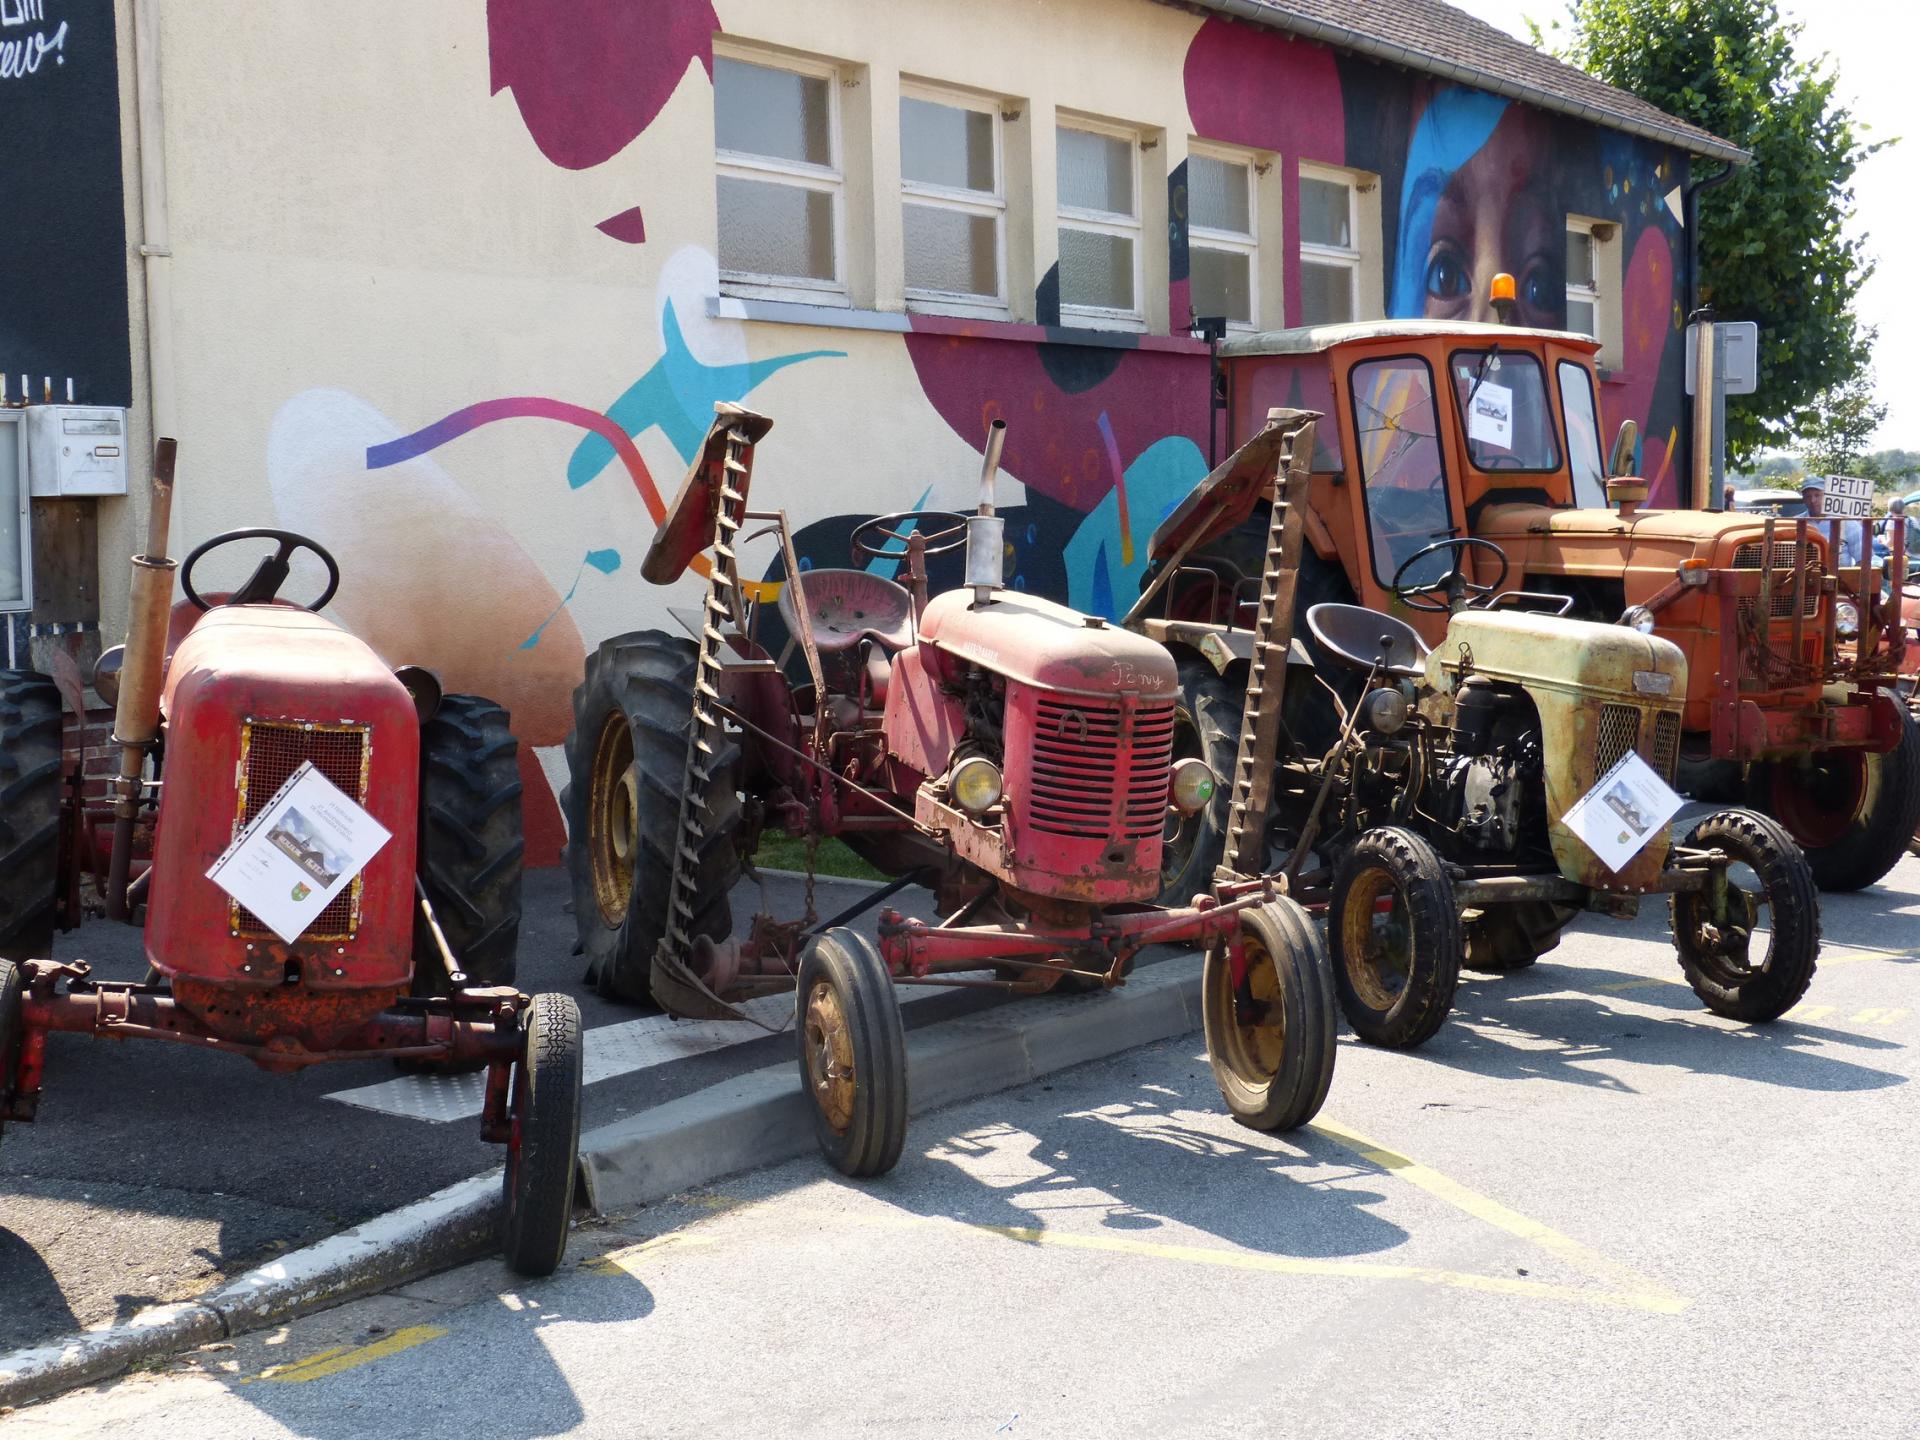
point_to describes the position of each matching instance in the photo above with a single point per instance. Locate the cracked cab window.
(1403, 476)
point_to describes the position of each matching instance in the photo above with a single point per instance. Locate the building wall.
(444, 293)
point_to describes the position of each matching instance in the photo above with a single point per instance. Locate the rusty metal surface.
(684, 532)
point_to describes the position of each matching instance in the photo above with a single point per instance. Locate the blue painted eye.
(1447, 277)
(805, 564)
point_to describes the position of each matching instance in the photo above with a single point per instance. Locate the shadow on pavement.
(34, 1302)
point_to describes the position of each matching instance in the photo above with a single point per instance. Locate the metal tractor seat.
(1364, 638)
(845, 605)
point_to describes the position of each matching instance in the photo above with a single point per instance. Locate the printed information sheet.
(302, 849)
(1623, 811)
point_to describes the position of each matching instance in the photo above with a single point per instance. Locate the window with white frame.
(1222, 238)
(953, 203)
(1594, 285)
(1329, 248)
(1099, 214)
(777, 158)
(1583, 282)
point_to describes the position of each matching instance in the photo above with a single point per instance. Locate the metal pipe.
(986, 532)
(1799, 590)
(1704, 379)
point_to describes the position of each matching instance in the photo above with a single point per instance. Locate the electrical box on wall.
(76, 450)
(16, 540)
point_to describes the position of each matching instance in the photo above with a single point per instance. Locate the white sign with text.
(1625, 809)
(1848, 498)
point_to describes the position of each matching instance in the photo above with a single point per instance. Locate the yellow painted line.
(348, 1357)
(1878, 1015)
(1616, 986)
(1810, 1012)
(626, 1260)
(1645, 1292)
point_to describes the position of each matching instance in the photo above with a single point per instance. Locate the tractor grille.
(270, 752)
(1078, 788)
(1666, 743)
(1619, 733)
(1747, 557)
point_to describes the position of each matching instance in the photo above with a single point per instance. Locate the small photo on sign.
(1490, 421)
(1625, 809)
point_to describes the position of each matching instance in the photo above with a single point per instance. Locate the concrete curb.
(746, 1123)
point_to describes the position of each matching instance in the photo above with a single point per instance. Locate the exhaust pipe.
(136, 716)
(986, 531)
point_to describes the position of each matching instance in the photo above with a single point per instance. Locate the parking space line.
(347, 1357)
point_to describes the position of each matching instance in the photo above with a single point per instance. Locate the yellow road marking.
(1641, 1291)
(1878, 1015)
(347, 1357)
(626, 1260)
(1810, 1012)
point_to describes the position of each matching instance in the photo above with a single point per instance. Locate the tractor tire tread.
(1785, 872)
(1427, 997)
(472, 844)
(538, 1208)
(30, 799)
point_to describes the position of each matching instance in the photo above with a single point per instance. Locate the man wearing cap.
(1813, 490)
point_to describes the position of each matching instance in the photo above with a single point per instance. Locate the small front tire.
(853, 1054)
(1272, 1050)
(1715, 955)
(1395, 933)
(12, 1001)
(543, 1150)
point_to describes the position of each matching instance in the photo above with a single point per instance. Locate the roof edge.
(1276, 16)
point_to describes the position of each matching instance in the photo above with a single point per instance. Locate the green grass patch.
(780, 851)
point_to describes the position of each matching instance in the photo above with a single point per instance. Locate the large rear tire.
(1206, 727)
(853, 1054)
(1718, 961)
(1272, 1051)
(29, 813)
(1395, 932)
(543, 1151)
(471, 844)
(626, 764)
(1853, 813)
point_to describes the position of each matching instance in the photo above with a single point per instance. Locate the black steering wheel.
(263, 586)
(897, 527)
(1497, 462)
(1454, 583)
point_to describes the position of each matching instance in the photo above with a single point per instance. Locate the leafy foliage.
(1772, 238)
(1845, 419)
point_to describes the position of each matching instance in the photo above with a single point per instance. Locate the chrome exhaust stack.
(986, 531)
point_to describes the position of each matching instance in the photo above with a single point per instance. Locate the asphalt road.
(1585, 1208)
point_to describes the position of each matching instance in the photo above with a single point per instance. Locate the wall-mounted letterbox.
(76, 450)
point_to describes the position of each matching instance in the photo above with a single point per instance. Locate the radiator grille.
(1078, 788)
(1666, 743)
(269, 753)
(1747, 557)
(1619, 733)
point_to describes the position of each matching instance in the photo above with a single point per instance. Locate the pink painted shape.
(628, 225)
(1647, 312)
(590, 75)
(1256, 87)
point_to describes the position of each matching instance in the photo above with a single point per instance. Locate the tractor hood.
(1546, 652)
(1049, 646)
(1541, 540)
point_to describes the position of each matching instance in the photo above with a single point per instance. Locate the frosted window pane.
(13, 579)
(1217, 195)
(946, 145)
(770, 229)
(761, 111)
(951, 250)
(1580, 318)
(1222, 284)
(1326, 216)
(1096, 172)
(1096, 269)
(1579, 258)
(1326, 294)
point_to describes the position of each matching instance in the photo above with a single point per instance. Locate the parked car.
(1785, 504)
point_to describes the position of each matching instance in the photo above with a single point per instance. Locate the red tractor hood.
(1048, 646)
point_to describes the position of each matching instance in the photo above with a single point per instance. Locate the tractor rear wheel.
(1505, 938)
(1770, 899)
(1852, 812)
(543, 1146)
(1206, 727)
(1272, 1050)
(1395, 933)
(471, 844)
(626, 765)
(853, 1053)
(29, 813)
(12, 997)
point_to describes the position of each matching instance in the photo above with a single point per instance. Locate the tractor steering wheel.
(263, 586)
(896, 528)
(1452, 585)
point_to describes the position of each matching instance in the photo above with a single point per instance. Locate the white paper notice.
(1627, 808)
(302, 849)
(1491, 420)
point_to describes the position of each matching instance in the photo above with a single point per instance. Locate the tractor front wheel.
(1271, 1041)
(543, 1146)
(1395, 932)
(471, 844)
(626, 767)
(1852, 812)
(29, 813)
(1770, 902)
(12, 998)
(1206, 727)
(853, 1053)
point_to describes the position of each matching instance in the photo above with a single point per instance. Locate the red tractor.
(412, 960)
(1011, 755)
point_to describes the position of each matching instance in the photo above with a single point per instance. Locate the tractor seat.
(844, 605)
(1362, 638)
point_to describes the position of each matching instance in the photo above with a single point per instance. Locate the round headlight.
(1846, 618)
(1194, 784)
(976, 785)
(1384, 711)
(1637, 617)
(106, 673)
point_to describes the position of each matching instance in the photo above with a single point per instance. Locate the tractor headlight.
(1637, 617)
(106, 673)
(976, 785)
(1846, 619)
(1384, 711)
(1194, 784)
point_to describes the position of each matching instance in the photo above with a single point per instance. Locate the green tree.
(1835, 440)
(1773, 247)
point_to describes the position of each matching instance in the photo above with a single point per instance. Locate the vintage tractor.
(412, 961)
(1438, 429)
(1011, 755)
(1436, 828)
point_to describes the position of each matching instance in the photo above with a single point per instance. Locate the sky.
(1871, 43)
